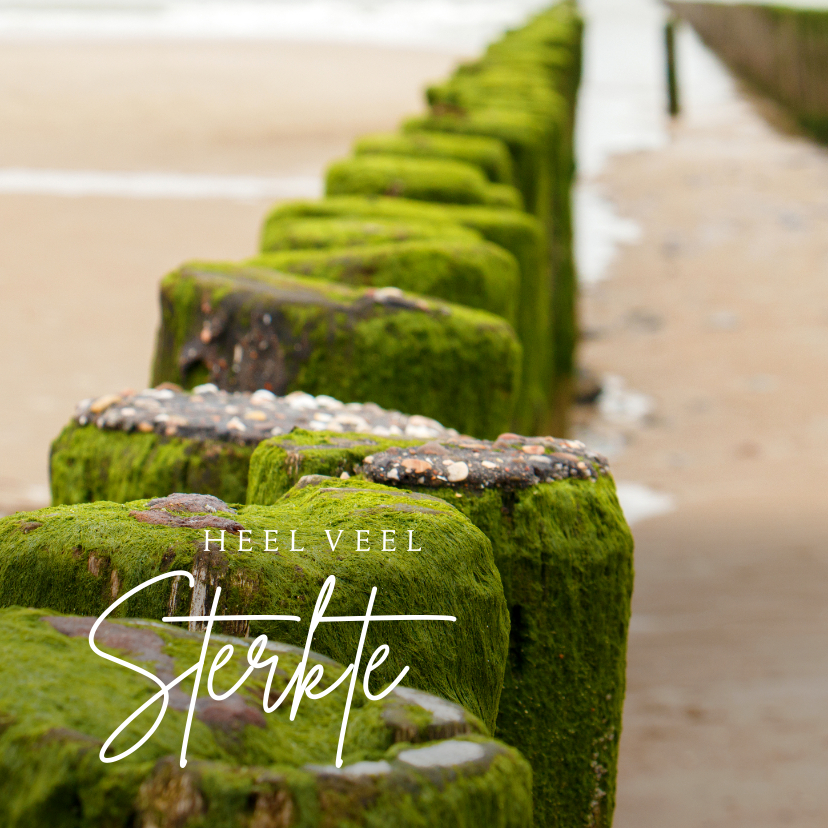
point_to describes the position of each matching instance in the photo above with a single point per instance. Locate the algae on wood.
(79, 559)
(517, 232)
(246, 328)
(409, 760)
(564, 553)
(477, 274)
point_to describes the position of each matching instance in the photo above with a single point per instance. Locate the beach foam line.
(80, 183)
(453, 25)
(599, 231)
(640, 502)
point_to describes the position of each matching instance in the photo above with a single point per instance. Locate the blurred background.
(136, 135)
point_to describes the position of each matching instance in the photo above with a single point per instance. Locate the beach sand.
(720, 314)
(78, 276)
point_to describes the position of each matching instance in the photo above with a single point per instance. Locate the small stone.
(262, 396)
(236, 425)
(385, 293)
(418, 466)
(369, 459)
(393, 474)
(534, 449)
(433, 448)
(255, 415)
(299, 399)
(487, 465)
(344, 476)
(146, 428)
(324, 401)
(102, 403)
(457, 472)
(563, 455)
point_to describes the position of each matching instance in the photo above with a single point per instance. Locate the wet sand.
(78, 276)
(720, 314)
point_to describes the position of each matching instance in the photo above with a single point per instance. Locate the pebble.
(457, 472)
(102, 403)
(511, 462)
(209, 413)
(417, 466)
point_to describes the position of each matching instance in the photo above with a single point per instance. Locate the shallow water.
(459, 26)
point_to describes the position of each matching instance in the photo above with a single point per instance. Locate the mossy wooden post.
(522, 91)
(421, 179)
(673, 104)
(288, 229)
(517, 232)
(282, 462)
(129, 447)
(564, 553)
(245, 328)
(781, 50)
(410, 759)
(490, 154)
(81, 558)
(478, 274)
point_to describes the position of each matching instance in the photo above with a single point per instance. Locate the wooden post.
(672, 75)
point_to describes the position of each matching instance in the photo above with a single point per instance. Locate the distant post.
(672, 74)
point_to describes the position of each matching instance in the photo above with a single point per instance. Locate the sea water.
(458, 26)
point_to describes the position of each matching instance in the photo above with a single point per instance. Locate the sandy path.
(720, 314)
(78, 276)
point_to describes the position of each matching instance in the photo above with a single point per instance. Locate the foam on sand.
(78, 183)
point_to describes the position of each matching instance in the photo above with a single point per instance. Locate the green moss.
(284, 333)
(300, 233)
(489, 154)
(494, 85)
(523, 92)
(87, 463)
(517, 232)
(278, 463)
(522, 132)
(59, 702)
(421, 179)
(81, 557)
(503, 195)
(478, 274)
(564, 553)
